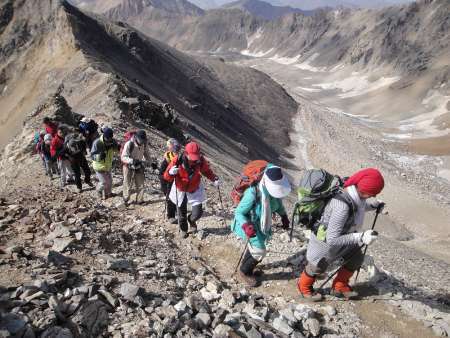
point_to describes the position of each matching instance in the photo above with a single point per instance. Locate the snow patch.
(310, 90)
(306, 65)
(260, 54)
(285, 60)
(357, 85)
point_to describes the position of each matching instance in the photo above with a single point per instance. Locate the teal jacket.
(249, 211)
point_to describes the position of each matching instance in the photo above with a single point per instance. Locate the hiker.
(89, 129)
(173, 148)
(49, 126)
(38, 141)
(335, 237)
(135, 155)
(75, 150)
(102, 153)
(186, 171)
(50, 163)
(57, 152)
(253, 218)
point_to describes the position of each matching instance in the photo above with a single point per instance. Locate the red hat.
(368, 181)
(192, 149)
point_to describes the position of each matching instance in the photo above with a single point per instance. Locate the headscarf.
(368, 181)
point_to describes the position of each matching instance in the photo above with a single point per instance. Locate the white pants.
(65, 171)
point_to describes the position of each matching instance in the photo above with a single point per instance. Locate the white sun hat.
(276, 182)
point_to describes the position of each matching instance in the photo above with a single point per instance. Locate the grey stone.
(203, 319)
(57, 258)
(288, 315)
(34, 296)
(61, 244)
(228, 299)
(113, 301)
(438, 331)
(60, 231)
(253, 333)
(281, 325)
(13, 323)
(313, 326)
(92, 318)
(119, 264)
(57, 332)
(130, 291)
(222, 331)
(330, 310)
(181, 306)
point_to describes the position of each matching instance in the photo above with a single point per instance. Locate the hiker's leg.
(70, 175)
(77, 171)
(183, 215)
(127, 176)
(108, 183)
(62, 173)
(196, 214)
(48, 168)
(87, 171)
(355, 259)
(171, 209)
(101, 186)
(139, 178)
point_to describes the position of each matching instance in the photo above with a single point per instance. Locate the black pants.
(354, 259)
(196, 214)
(77, 163)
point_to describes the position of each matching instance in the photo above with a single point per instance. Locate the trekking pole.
(373, 227)
(223, 210)
(242, 255)
(178, 208)
(293, 222)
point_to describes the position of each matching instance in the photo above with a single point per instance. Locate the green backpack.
(317, 188)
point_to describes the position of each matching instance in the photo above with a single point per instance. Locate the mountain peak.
(263, 9)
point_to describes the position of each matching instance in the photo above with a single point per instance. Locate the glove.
(154, 166)
(379, 205)
(369, 236)
(136, 163)
(285, 221)
(216, 183)
(249, 229)
(173, 171)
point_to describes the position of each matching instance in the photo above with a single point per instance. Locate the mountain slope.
(89, 59)
(263, 9)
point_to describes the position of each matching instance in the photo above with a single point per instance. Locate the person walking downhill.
(186, 171)
(57, 152)
(335, 237)
(75, 149)
(173, 149)
(50, 163)
(253, 218)
(89, 129)
(135, 155)
(102, 153)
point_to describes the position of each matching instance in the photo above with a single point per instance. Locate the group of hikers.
(333, 208)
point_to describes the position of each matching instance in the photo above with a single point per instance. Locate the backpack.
(75, 145)
(250, 176)
(317, 188)
(127, 137)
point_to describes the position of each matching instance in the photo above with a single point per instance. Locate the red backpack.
(250, 176)
(128, 136)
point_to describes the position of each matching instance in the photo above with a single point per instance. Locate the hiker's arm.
(207, 172)
(242, 212)
(339, 215)
(163, 166)
(167, 176)
(126, 156)
(96, 151)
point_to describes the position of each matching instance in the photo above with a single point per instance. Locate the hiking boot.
(249, 280)
(90, 184)
(340, 287)
(192, 225)
(184, 234)
(173, 220)
(305, 287)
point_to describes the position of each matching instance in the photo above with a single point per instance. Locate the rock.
(228, 299)
(203, 319)
(281, 325)
(113, 301)
(438, 331)
(34, 296)
(130, 291)
(119, 264)
(13, 323)
(303, 312)
(79, 236)
(288, 315)
(222, 331)
(181, 306)
(253, 333)
(57, 258)
(209, 296)
(57, 332)
(92, 319)
(61, 244)
(330, 310)
(313, 326)
(213, 287)
(60, 231)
